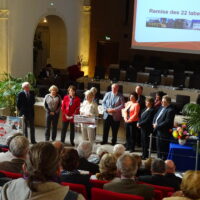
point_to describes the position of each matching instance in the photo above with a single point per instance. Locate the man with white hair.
(127, 168)
(25, 105)
(112, 104)
(19, 147)
(84, 151)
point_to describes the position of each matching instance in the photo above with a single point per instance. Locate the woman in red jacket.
(70, 107)
(131, 116)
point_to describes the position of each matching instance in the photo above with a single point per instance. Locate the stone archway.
(50, 44)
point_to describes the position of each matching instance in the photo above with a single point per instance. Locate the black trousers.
(145, 132)
(51, 119)
(162, 143)
(64, 131)
(29, 122)
(109, 122)
(131, 131)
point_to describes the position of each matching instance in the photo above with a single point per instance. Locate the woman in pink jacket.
(70, 107)
(131, 116)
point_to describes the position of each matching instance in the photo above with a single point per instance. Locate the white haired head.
(118, 150)
(25, 85)
(84, 149)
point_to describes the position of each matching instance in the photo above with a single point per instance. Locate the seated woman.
(70, 173)
(89, 109)
(107, 168)
(41, 170)
(190, 187)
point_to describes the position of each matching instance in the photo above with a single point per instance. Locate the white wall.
(23, 19)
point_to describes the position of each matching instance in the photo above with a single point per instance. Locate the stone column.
(3, 41)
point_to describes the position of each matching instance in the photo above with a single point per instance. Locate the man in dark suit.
(157, 170)
(174, 180)
(25, 105)
(163, 123)
(127, 167)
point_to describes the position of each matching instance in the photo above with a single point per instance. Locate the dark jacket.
(129, 186)
(88, 166)
(146, 119)
(26, 104)
(174, 181)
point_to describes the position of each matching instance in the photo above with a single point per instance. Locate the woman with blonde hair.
(107, 168)
(190, 187)
(89, 109)
(52, 104)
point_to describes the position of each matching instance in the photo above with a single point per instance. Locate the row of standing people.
(134, 112)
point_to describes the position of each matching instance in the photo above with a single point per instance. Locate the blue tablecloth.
(183, 156)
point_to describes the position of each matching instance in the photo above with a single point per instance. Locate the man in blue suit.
(25, 105)
(162, 123)
(113, 102)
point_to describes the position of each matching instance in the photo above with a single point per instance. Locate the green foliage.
(10, 87)
(192, 113)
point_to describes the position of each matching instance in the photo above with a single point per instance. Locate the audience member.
(84, 151)
(107, 168)
(118, 150)
(94, 91)
(8, 156)
(158, 169)
(112, 103)
(19, 147)
(89, 109)
(59, 146)
(70, 173)
(52, 104)
(127, 167)
(170, 174)
(163, 123)
(145, 125)
(190, 187)
(75, 71)
(96, 157)
(131, 117)
(25, 105)
(41, 170)
(70, 107)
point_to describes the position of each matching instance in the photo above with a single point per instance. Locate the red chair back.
(158, 195)
(11, 174)
(100, 194)
(4, 149)
(98, 183)
(80, 188)
(163, 189)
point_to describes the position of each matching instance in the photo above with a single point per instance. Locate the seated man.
(127, 167)
(158, 169)
(8, 156)
(19, 147)
(84, 150)
(174, 180)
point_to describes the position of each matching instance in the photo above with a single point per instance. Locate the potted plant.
(192, 113)
(10, 87)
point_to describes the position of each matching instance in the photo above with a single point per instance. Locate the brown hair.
(190, 184)
(71, 87)
(69, 159)
(107, 167)
(42, 163)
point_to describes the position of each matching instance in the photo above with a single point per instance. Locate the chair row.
(98, 193)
